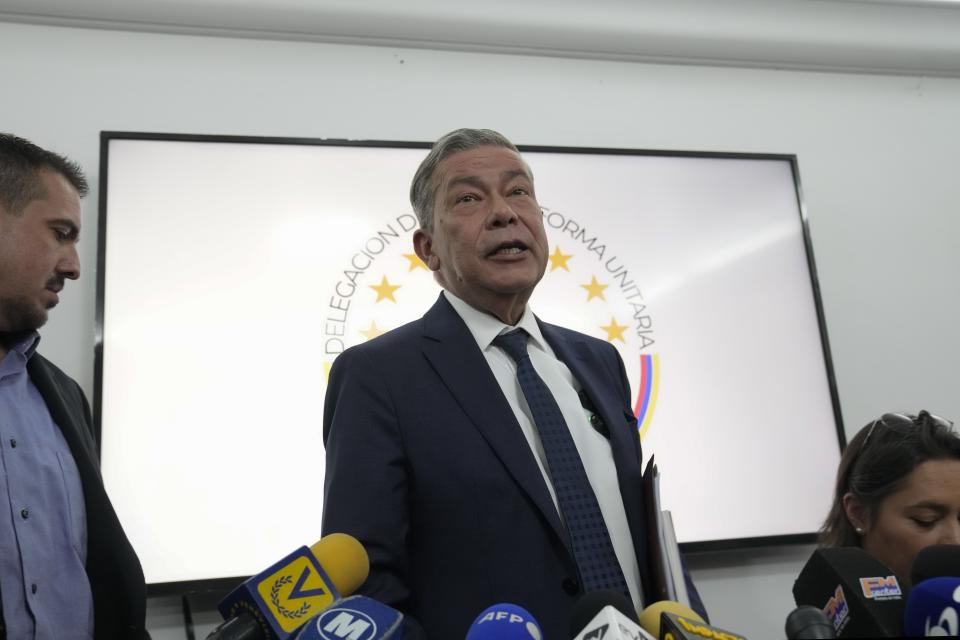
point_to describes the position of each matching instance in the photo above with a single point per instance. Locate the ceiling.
(921, 37)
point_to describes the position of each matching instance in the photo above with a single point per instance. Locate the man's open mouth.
(508, 248)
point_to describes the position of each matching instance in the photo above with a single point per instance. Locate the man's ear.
(423, 246)
(856, 512)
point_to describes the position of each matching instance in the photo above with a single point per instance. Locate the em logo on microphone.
(837, 610)
(346, 624)
(881, 588)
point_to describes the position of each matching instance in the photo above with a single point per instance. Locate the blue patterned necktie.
(592, 549)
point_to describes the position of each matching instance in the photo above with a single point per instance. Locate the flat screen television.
(234, 270)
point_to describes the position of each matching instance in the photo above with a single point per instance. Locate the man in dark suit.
(480, 454)
(66, 567)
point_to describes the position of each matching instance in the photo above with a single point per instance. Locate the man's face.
(488, 245)
(38, 251)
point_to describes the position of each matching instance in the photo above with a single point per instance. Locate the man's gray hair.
(423, 190)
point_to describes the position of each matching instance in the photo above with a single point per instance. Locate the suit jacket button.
(570, 586)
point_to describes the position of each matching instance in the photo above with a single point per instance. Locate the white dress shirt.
(595, 451)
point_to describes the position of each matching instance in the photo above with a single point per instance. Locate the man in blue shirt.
(66, 567)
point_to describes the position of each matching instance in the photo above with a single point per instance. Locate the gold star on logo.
(415, 262)
(558, 260)
(326, 372)
(595, 289)
(373, 331)
(385, 290)
(615, 331)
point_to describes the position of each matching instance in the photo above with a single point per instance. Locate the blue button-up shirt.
(43, 530)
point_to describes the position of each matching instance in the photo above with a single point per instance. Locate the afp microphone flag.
(505, 621)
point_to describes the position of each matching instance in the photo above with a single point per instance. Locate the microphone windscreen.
(590, 604)
(861, 597)
(939, 560)
(344, 559)
(932, 609)
(650, 617)
(505, 621)
(809, 623)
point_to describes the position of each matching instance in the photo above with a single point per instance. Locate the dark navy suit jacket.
(428, 468)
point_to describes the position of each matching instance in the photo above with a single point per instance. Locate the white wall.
(877, 159)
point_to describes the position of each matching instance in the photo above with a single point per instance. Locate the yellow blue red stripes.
(647, 394)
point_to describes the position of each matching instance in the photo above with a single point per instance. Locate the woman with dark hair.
(898, 490)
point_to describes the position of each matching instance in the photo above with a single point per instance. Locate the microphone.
(669, 620)
(274, 603)
(354, 618)
(809, 623)
(933, 608)
(677, 627)
(651, 617)
(605, 615)
(859, 595)
(936, 561)
(505, 621)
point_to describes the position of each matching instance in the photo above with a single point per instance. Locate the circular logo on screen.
(589, 286)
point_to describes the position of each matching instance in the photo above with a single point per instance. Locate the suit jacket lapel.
(452, 351)
(599, 383)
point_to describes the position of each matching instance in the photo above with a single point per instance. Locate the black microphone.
(936, 561)
(860, 596)
(809, 623)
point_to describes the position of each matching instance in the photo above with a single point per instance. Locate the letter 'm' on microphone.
(860, 596)
(277, 601)
(505, 621)
(933, 608)
(354, 618)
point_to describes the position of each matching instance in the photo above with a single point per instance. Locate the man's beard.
(20, 314)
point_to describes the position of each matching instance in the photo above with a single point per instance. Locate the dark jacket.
(428, 468)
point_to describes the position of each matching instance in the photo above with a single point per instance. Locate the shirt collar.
(485, 327)
(23, 343)
(20, 347)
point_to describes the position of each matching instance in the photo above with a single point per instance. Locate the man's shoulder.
(570, 336)
(402, 338)
(39, 367)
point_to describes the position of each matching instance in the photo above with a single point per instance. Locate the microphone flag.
(354, 618)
